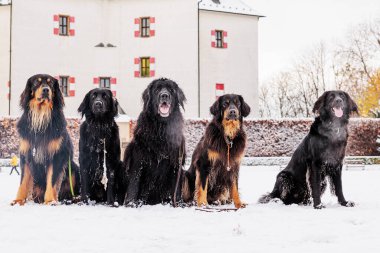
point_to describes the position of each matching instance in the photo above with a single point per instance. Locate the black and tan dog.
(214, 172)
(45, 146)
(99, 140)
(319, 156)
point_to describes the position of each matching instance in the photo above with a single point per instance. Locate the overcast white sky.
(291, 27)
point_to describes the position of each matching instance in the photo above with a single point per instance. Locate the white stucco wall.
(4, 57)
(236, 66)
(37, 50)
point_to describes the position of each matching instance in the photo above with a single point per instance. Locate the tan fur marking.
(200, 192)
(231, 127)
(24, 188)
(40, 112)
(51, 194)
(212, 155)
(54, 146)
(24, 146)
(235, 195)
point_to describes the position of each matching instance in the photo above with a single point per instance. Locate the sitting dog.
(319, 156)
(154, 158)
(99, 147)
(46, 151)
(214, 171)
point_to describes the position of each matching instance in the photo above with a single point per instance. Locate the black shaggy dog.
(214, 172)
(319, 156)
(152, 159)
(46, 151)
(99, 140)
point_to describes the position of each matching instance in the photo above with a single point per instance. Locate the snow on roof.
(230, 6)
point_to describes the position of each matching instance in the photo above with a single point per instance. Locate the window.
(145, 27)
(63, 25)
(145, 67)
(219, 39)
(105, 82)
(64, 85)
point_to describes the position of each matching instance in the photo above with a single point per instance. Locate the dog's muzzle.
(165, 103)
(98, 106)
(232, 114)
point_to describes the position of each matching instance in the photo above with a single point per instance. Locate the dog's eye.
(48, 80)
(39, 79)
(104, 96)
(94, 95)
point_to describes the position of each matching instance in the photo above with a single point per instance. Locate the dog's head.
(98, 103)
(41, 91)
(335, 104)
(230, 110)
(162, 97)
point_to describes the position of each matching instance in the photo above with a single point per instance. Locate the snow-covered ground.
(258, 228)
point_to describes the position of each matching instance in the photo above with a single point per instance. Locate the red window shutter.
(137, 73)
(56, 31)
(72, 32)
(96, 80)
(114, 93)
(213, 44)
(224, 34)
(152, 73)
(212, 32)
(152, 32)
(219, 86)
(137, 21)
(113, 80)
(137, 60)
(72, 79)
(152, 60)
(72, 19)
(72, 93)
(137, 33)
(225, 45)
(152, 20)
(55, 17)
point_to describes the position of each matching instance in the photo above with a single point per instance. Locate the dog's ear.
(245, 109)
(180, 95)
(57, 97)
(26, 95)
(85, 105)
(115, 105)
(320, 102)
(353, 107)
(215, 108)
(146, 97)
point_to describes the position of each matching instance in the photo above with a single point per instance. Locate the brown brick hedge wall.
(266, 137)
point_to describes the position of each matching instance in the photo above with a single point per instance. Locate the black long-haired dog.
(99, 140)
(151, 160)
(319, 156)
(214, 171)
(46, 150)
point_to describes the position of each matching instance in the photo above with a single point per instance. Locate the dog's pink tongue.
(164, 109)
(338, 112)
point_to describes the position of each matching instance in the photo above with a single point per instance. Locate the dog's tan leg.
(235, 195)
(24, 188)
(51, 194)
(201, 192)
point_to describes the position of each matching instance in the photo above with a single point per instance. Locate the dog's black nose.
(45, 90)
(165, 96)
(338, 100)
(233, 112)
(98, 103)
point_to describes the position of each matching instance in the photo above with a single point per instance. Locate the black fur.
(39, 139)
(151, 160)
(99, 108)
(319, 156)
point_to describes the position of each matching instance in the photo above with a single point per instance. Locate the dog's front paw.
(133, 204)
(51, 203)
(240, 205)
(319, 206)
(348, 204)
(21, 202)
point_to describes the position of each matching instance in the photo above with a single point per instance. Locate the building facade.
(125, 44)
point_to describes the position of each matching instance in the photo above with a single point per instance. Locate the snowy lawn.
(258, 228)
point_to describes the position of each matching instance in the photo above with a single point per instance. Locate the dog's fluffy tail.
(188, 184)
(282, 188)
